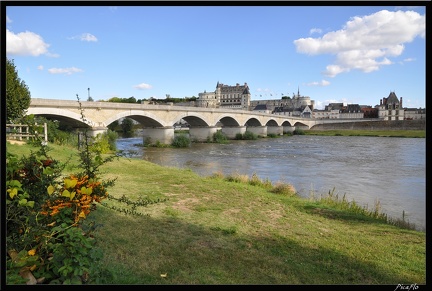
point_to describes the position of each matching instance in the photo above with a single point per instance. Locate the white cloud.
(409, 60)
(85, 37)
(366, 43)
(142, 86)
(263, 90)
(67, 71)
(40, 68)
(88, 37)
(8, 20)
(321, 83)
(319, 105)
(315, 30)
(25, 44)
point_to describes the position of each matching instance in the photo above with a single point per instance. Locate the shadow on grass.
(170, 251)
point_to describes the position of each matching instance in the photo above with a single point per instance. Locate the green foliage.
(147, 141)
(104, 143)
(219, 137)
(73, 260)
(172, 99)
(127, 125)
(45, 216)
(239, 136)
(249, 135)
(17, 94)
(112, 137)
(123, 100)
(284, 189)
(298, 131)
(58, 132)
(181, 141)
(131, 207)
(114, 125)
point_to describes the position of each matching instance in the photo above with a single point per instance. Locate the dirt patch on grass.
(18, 142)
(185, 204)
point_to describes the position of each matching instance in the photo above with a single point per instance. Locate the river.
(390, 170)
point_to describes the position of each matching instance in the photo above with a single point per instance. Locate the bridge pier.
(232, 131)
(277, 130)
(258, 130)
(94, 131)
(202, 134)
(152, 135)
(302, 127)
(288, 128)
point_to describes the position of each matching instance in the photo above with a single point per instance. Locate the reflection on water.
(365, 169)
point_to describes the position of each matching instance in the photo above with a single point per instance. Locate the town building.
(225, 96)
(298, 105)
(414, 113)
(339, 110)
(390, 108)
(369, 111)
(239, 97)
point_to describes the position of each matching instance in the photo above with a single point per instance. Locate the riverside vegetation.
(163, 225)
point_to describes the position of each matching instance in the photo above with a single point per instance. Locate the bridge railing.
(22, 131)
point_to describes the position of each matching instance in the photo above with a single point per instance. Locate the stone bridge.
(158, 120)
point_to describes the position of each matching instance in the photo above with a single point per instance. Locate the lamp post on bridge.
(89, 98)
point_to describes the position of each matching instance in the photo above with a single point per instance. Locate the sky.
(333, 54)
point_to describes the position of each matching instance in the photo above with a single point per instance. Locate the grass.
(242, 230)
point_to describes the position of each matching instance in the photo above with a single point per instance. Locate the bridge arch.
(272, 122)
(69, 117)
(229, 121)
(193, 120)
(145, 118)
(253, 122)
(286, 123)
(301, 125)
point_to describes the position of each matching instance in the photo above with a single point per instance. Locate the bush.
(127, 126)
(114, 126)
(239, 136)
(219, 137)
(181, 141)
(249, 135)
(106, 142)
(47, 236)
(298, 131)
(284, 189)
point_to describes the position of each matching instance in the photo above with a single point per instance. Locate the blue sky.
(349, 54)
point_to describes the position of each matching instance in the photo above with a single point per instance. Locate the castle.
(239, 97)
(234, 97)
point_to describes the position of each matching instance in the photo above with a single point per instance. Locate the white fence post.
(18, 133)
(45, 133)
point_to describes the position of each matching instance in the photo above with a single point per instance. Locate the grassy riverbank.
(366, 132)
(213, 231)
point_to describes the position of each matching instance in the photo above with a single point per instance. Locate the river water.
(390, 170)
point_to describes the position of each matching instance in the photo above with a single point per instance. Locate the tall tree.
(17, 94)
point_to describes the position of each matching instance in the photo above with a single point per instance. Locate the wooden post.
(45, 132)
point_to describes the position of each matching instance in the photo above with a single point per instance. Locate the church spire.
(298, 91)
